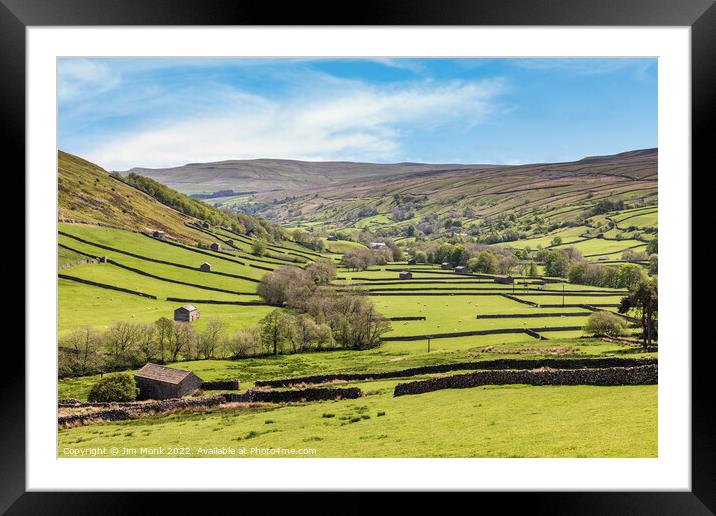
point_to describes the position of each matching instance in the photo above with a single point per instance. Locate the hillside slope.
(265, 175)
(538, 194)
(87, 193)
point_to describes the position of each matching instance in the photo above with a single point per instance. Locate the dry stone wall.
(497, 364)
(641, 375)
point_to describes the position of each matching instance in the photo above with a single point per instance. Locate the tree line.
(310, 315)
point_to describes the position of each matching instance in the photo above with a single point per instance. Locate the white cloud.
(82, 78)
(338, 120)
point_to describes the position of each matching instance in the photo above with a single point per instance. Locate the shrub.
(605, 323)
(121, 387)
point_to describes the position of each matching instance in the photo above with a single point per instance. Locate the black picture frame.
(17, 15)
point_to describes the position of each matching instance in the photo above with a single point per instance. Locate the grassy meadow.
(489, 421)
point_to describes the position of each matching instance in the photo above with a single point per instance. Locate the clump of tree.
(643, 303)
(238, 222)
(115, 388)
(307, 240)
(314, 315)
(286, 283)
(608, 276)
(322, 271)
(128, 345)
(259, 247)
(362, 259)
(606, 323)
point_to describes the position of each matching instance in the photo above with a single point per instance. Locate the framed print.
(418, 250)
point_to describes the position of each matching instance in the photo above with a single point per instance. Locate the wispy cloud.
(82, 78)
(343, 119)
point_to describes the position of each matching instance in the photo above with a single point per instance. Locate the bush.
(605, 323)
(121, 387)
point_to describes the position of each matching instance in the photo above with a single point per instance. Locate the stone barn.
(378, 245)
(158, 234)
(412, 261)
(230, 242)
(331, 238)
(205, 267)
(186, 313)
(102, 259)
(506, 280)
(461, 269)
(406, 275)
(215, 246)
(158, 382)
(446, 266)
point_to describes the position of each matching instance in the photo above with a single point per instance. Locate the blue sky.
(126, 112)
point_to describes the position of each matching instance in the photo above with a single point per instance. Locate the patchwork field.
(124, 274)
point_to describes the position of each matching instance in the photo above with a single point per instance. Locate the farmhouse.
(446, 266)
(406, 275)
(507, 280)
(461, 269)
(205, 267)
(215, 246)
(186, 313)
(102, 259)
(158, 234)
(378, 245)
(158, 382)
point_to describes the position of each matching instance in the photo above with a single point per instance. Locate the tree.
(556, 241)
(287, 285)
(211, 338)
(556, 264)
(182, 339)
(654, 264)
(605, 323)
(322, 271)
(164, 333)
(533, 269)
(458, 255)
(487, 263)
(643, 300)
(147, 346)
(82, 350)
(258, 247)
(305, 332)
(245, 342)
(116, 388)
(356, 323)
(122, 343)
(276, 330)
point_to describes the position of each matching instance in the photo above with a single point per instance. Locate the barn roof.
(162, 373)
(188, 308)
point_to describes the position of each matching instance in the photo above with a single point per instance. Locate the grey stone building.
(158, 382)
(186, 313)
(205, 267)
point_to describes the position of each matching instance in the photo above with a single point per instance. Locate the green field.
(534, 203)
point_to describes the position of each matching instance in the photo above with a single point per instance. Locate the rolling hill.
(532, 196)
(266, 175)
(88, 193)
